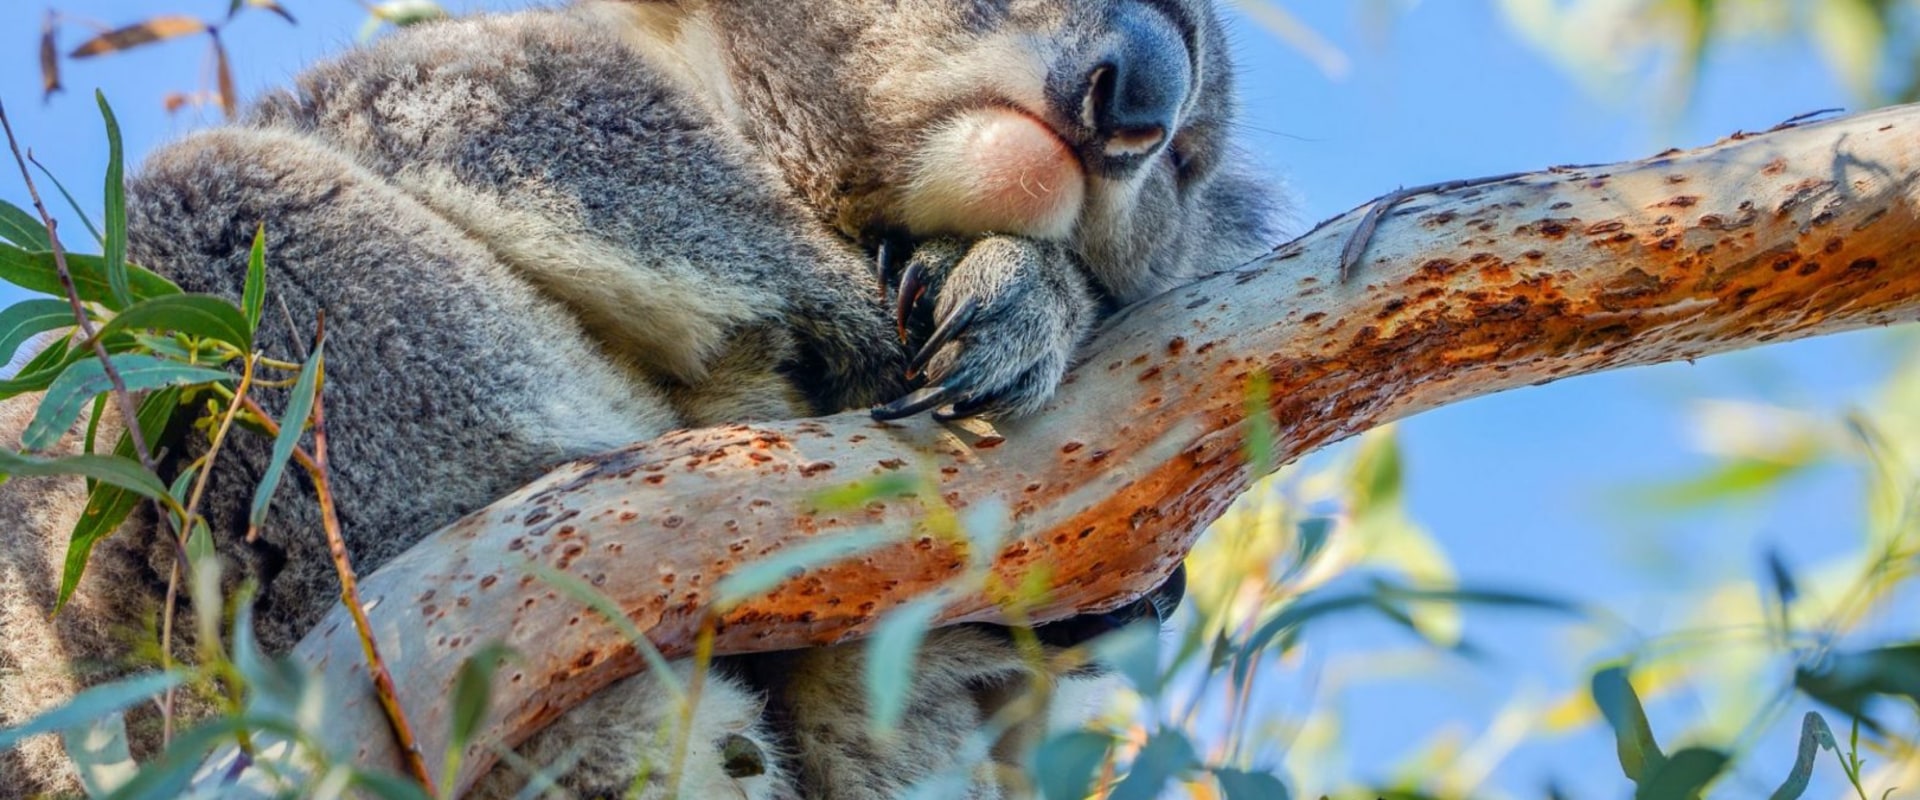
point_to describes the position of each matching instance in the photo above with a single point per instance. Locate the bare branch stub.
(1463, 293)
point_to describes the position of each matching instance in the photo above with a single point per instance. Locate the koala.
(539, 235)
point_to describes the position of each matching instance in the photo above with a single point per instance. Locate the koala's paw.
(621, 742)
(994, 322)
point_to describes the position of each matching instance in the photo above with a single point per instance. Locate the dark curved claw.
(888, 259)
(914, 403)
(912, 286)
(949, 327)
(968, 407)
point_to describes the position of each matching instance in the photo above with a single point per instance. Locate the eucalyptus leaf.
(1639, 753)
(115, 258)
(1238, 785)
(293, 422)
(38, 271)
(80, 382)
(253, 297)
(1166, 755)
(1684, 776)
(93, 704)
(1064, 765)
(23, 229)
(767, 573)
(891, 657)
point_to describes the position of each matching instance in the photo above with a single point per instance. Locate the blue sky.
(1522, 489)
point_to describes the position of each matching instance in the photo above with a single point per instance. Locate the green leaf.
(38, 373)
(108, 505)
(1640, 755)
(22, 321)
(473, 694)
(767, 573)
(1814, 734)
(1684, 776)
(1260, 433)
(1165, 756)
(292, 423)
(125, 473)
(85, 220)
(254, 297)
(93, 704)
(1238, 785)
(115, 244)
(1377, 478)
(21, 228)
(37, 271)
(1064, 765)
(77, 386)
(168, 776)
(885, 486)
(891, 659)
(200, 315)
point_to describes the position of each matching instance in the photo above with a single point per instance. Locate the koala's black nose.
(1132, 94)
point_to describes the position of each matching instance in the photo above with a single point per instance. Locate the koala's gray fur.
(540, 235)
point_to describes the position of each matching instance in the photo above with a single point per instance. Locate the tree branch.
(1794, 233)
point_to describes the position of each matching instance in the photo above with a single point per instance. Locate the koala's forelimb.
(1806, 231)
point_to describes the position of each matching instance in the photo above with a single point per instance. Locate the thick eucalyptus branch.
(1794, 233)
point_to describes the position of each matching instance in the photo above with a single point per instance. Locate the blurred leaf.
(1312, 536)
(387, 787)
(584, 594)
(1814, 735)
(885, 486)
(168, 776)
(1065, 764)
(76, 387)
(1728, 480)
(767, 573)
(1781, 577)
(26, 319)
(986, 525)
(157, 29)
(1238, 785)
(254, 297)
(891, 657)
(49, 59)
(93, 704)
(1133, 651)
(98, 750)
(114, 259)
(1166, 755)
(223, 81)
(1376, 480)
(472, 697)
(199, 315)
(1846, 681)
(1683, 776)
(36, 272)
(22, 229)
(1260, 433)
(1640, 754)
(293, 422)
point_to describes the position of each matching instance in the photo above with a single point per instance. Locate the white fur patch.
(679, 40)
(998, 170)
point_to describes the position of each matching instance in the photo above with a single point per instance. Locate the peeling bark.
(1798, 232)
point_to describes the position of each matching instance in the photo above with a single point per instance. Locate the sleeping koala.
(541, 235)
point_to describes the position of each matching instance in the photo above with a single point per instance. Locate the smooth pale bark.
(1794, 233)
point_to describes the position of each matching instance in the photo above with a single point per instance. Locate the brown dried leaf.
(148, 32)
(49, 60)
(223, 73)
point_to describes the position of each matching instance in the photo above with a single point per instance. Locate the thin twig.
(186, 523)
(129, 413)
(350, 589)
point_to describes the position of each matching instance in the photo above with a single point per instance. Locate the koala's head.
(1100, 123)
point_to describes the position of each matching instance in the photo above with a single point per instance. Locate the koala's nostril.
(741, 758)
(1130, 99)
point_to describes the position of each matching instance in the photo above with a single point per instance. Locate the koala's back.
(510, 228)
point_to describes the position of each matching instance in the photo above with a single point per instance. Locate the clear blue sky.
(1521, 488)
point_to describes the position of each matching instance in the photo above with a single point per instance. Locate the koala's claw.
(913, 286)
(914, 403)
(949, 327)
